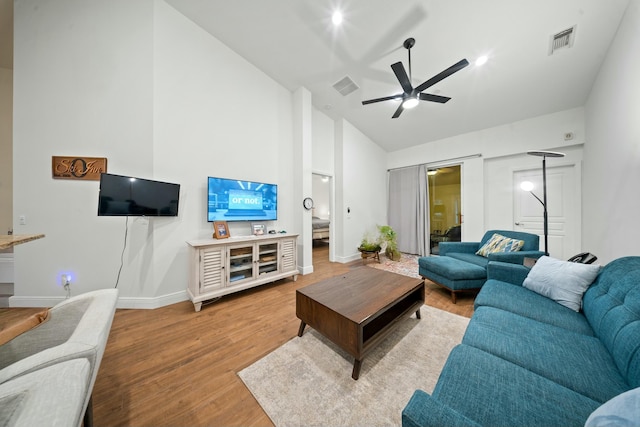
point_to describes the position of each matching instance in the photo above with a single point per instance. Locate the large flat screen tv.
(235, 200)
(129, 196)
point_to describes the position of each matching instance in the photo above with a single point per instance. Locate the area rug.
(407, 266)
(307, 381)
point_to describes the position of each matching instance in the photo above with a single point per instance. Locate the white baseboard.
(151, 303)
(123, 302)
(346, 259)
(6, 288)
(139, 302)
(305, 270)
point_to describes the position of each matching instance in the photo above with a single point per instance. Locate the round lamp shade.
(545, 153)
(526, 185)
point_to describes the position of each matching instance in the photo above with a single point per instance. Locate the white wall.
(499, 200)
(154, 94)
(611, 200)
(82, 86)
(323, 164)
(203, 128)
(361, 188)
(302, 167)
(6, 151)
(479, 193)
(323, 153)
(473, 197)
(358, 168)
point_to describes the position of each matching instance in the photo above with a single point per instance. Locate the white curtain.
(408, 209)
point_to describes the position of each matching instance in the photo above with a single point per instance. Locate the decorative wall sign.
(85, 168)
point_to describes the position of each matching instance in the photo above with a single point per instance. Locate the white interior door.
(563, 206)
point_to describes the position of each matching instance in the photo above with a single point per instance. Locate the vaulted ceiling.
(296, 44)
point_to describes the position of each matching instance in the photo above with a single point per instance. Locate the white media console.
(221, 267)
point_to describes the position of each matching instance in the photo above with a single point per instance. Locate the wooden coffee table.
(359, 309)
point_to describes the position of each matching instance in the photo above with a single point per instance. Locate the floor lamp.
(528, 186)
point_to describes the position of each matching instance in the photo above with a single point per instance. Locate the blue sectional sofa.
(526, 360)
(459, 269)
(466, 251)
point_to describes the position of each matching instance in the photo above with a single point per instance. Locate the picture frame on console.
(258, 229)
(220, 229)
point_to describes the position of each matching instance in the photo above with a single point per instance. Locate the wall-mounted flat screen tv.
(129, 196)
(236, 200)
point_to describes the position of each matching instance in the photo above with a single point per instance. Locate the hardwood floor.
(175, 367)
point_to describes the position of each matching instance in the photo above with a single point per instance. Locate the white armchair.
(77, 328)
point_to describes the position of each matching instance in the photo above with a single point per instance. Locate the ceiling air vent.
(563, 40)
(346, 86)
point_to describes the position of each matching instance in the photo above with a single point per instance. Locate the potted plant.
(369, 244)
(370, 247)
(388, 236)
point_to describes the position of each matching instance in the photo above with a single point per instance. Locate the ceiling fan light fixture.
(410, 95)
(410, 102)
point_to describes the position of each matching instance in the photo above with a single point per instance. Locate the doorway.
(321, 213)
(563, 203)
(445, 208)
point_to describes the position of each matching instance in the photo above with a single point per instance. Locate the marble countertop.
(9, 240)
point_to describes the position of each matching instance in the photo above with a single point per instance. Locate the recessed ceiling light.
(336, 18)
(481, 60)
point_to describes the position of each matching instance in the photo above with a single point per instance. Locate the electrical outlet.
(65, 280)
(22, 219)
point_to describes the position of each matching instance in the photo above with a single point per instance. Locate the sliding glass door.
(444, 205)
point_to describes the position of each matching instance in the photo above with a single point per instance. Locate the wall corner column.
(303, 185)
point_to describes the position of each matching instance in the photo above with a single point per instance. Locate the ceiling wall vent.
(346, 86)
(562, 40)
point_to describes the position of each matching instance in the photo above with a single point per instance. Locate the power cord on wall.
(124, 246)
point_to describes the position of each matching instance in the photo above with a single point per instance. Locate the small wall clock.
(308, 203)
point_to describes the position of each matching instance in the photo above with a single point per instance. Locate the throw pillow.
(24, 325)
(622, 410)
(500, 243)
(562, 281)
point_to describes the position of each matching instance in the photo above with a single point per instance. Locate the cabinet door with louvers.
(212, 273)
(288, 255)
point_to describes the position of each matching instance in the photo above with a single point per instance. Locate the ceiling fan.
(412, 95)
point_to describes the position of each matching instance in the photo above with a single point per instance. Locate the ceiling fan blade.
(402, 76)
(398, 112)
(443, 75)
(386, 98)
(434, 98)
